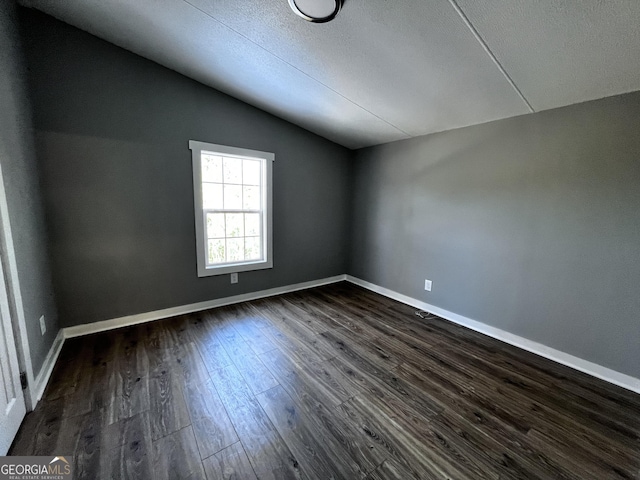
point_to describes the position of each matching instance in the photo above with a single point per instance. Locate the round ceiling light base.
(316, 11)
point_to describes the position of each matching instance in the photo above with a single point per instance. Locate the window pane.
(211, 168)
(235, 250)
(251, 198)
(235, 227)
(251, 172)
(252, 248)
(215, 225)
(232, 169)
(233, 197)
(216, 251)
(252, 224)
(211, 195)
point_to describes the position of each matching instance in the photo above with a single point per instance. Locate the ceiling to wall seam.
(296, 68)
(486, 48)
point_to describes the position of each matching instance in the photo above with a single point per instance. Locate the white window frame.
(268, 158)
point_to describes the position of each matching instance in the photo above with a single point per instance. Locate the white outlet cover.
(234, 278)
(427, 285)
(43, 325)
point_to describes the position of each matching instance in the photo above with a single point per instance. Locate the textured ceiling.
(561, 52)
(382, 70)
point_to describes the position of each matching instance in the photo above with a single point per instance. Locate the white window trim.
(196, 152)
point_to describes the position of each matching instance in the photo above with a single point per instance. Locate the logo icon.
(35, 468)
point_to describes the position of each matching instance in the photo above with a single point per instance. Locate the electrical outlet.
(234, 278)
(427, 285)
(43, 325)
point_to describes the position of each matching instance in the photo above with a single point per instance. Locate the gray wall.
(530, 224)
(112, 141)
(22, 190)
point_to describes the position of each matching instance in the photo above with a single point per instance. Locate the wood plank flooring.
(334, 382)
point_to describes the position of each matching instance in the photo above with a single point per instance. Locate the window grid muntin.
(260, 236)
(223, 210)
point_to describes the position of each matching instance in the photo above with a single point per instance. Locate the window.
(232, 200)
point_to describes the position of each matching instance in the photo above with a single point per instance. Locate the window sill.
(235, 268)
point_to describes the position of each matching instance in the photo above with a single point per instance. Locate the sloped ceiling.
(383, 70)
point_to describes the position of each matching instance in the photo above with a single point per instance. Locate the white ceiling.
(383, 70)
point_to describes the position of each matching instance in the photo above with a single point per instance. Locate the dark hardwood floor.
(329, 383)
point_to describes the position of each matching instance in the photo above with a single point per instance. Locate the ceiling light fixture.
(316, 11)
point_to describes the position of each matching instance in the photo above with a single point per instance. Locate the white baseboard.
(104, 325)
(598, 371)
(585, 366)
(40, 382)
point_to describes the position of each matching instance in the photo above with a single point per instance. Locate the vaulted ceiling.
(383, 70)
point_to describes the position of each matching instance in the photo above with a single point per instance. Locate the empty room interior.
(320, 239)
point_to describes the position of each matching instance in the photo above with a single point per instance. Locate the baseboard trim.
(41, 380)
(585, 366)
(89, 328)
(617, 378)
